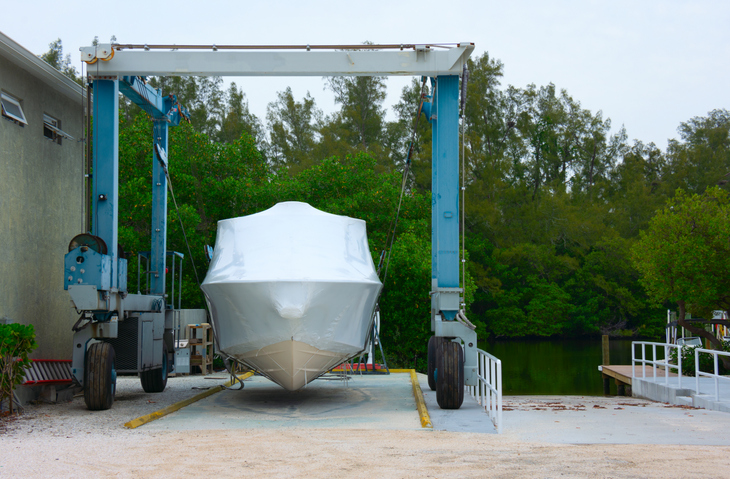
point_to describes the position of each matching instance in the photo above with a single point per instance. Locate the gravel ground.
(71, 418)
(66, 440)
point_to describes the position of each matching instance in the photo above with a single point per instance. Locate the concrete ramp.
(670, 391)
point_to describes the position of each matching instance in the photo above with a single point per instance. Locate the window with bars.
(52, 129)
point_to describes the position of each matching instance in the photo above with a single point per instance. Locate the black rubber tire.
(450, 376)
(100, 378)
(155, 380)
(434, 344)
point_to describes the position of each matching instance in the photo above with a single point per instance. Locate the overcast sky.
(648, 64)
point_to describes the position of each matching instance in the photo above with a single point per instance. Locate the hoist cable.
(406, 168)
(182, 227)
(86, 149)
(463, 211)
(187, 244)
(95, 218)
(192, 261)
(464, 82)
(390, 238)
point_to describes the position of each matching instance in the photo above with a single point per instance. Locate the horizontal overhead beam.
(105, 61)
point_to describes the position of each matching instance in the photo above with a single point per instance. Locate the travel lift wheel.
(155, 380)
(450, 375)
(434, 343)
(100, 377)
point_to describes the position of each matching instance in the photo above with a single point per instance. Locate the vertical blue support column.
(445, 193)
(158, 248)
(106, 168)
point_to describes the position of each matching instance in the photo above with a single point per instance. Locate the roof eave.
(34, 65)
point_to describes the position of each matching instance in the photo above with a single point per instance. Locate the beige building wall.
(41, 199)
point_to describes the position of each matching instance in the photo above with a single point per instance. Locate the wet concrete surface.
(362, 402)
(387, 403)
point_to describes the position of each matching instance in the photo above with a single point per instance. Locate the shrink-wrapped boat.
(291, 291)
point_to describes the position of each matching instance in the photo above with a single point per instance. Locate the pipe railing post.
(697, 371)
(633, 359)
(499, 397)
(717, 378)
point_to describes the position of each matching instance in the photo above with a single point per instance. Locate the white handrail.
(715, 375)
(488, 393)
(654, 361)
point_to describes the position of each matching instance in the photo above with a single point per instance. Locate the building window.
(52, 129)
(12, 109)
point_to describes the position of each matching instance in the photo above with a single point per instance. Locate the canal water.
(555, 366)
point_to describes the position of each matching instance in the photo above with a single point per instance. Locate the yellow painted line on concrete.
(134, 423)
(418, 395)
(420, 402)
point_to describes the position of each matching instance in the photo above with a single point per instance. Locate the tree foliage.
(684, 256)
(556, 198)
(221, 115)
(360, 120)
(54, 57)
(293, 128)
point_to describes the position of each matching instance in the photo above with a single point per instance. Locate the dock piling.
(606, 360)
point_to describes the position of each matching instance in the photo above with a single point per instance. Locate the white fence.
(664, 364)
(698, 373)
(488, 393)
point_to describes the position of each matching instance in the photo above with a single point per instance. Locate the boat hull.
(292, 332)
(291, 292)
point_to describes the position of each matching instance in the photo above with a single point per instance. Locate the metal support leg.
(382, 354)
(455, 329)
(81, 341)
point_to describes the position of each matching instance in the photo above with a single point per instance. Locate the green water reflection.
(560, 367)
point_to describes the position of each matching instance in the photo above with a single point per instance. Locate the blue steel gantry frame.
(446, 295)
(444, 117)
(121, 66)
(165, 111)
(96, 279)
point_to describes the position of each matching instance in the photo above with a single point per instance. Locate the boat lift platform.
(375, 402)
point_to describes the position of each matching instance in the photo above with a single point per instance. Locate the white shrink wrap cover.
(291, 291)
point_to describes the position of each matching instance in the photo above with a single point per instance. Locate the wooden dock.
(622, 376)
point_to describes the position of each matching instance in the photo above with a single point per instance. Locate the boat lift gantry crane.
(138, 327)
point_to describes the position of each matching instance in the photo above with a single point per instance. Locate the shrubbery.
(16, 342)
